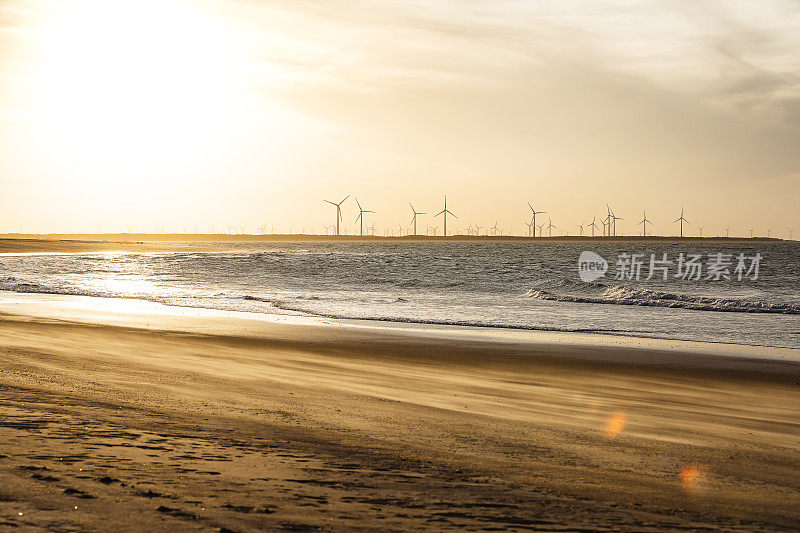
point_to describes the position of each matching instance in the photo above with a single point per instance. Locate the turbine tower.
(534, 212)
(445, 212)
(531, 228)
(338, 211)
(644, 224)
(361, 215)
(495, 229)
(681, 220)
(414, 217)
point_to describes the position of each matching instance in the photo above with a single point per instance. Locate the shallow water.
(502, 284)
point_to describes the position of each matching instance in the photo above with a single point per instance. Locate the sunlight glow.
(134, 84)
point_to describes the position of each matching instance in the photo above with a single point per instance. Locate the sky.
(148, 114)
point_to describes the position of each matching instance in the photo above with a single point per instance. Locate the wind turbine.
(534, 212)
(701, 230)
(550, 227)
(644, 224)
(728, 231)
(607, 222)
(593, 225)
(414, 217)
(614, 218)
(445, 212)
(495, 229)
(338, 211)
(751, 233)
(361, 215)
(769, 233)
(540, 229)
(531, 226)
(581, 226)
(681, 220)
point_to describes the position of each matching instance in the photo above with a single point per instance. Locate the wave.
(620, 295)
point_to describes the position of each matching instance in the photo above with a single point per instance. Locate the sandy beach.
(226, 424)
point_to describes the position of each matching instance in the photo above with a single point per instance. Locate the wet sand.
(298, 427)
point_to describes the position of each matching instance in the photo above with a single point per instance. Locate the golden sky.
(142, 113)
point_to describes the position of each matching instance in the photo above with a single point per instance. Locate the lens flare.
(615, 424)
(692, 478)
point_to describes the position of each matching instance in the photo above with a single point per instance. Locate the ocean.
(503, 284)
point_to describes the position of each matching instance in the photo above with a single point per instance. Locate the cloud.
(736, 54)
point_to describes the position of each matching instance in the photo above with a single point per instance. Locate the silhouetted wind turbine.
(581, 226)
(361, 215)
(769, 233)
(445, 212)
(607, 223)
(338, 211)
(728, 231)
(414, 217)
(681, 220)
(495, 229)
(550, 227)
(700, 228)
(593, 225)
(751, 233)
(540, 230)
(531, 226)
(644, 223)
(534, 212)
(614, 218)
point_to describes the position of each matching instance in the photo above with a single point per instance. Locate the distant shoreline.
(139, 238)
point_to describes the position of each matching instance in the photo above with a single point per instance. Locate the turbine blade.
(345, 198)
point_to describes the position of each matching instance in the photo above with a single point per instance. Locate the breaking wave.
(620, 295)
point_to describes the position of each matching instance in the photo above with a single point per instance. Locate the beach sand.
(195, 423)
